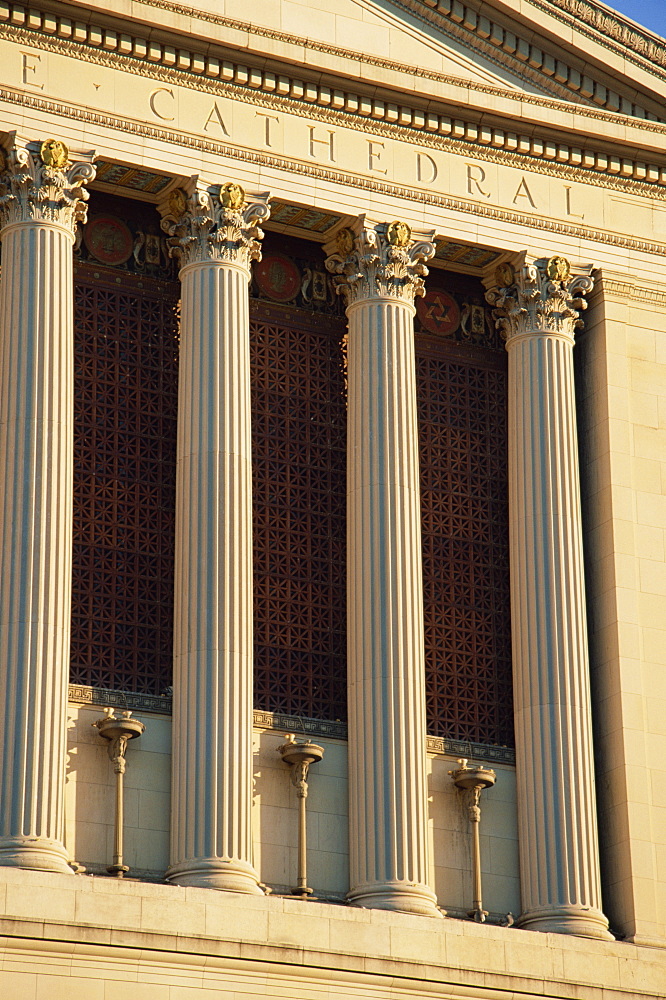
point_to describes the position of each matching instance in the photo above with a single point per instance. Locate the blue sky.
(651, 13)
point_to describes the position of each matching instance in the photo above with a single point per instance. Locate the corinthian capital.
(540, 297)
(39, 182)
(215, 224)
(379, 260)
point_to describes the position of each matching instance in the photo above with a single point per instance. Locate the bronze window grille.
(299, 476)
(462, 429)
(126, 373)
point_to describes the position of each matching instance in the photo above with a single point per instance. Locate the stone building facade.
(332, 467)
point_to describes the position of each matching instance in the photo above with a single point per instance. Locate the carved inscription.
(442, 170)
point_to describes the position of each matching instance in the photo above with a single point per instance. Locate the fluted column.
(215, 234)
(538, 311)
(380, 270)
(41, 200)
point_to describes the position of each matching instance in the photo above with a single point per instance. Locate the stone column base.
(408, 897)
(583, 921)
(216, 873)
(37, 853)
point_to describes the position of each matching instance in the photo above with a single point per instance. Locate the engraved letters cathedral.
(332, 501)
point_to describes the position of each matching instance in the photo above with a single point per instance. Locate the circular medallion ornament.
(232, 196)
(108, 239)
(439, 313)
(558, 269)
(54, 153)
(177, 202)
(278, 277)
(504, 275)
(398, 234)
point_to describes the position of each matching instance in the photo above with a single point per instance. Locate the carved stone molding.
(625, 288)
(40, 183)
(379, 260)
(215, 224)
(613, 27)
(83, 695)
(259, 86)
(488, 36)
(545, 297)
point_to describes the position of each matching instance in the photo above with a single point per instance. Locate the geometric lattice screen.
(462, 426)
(126, 375)
(299, 432)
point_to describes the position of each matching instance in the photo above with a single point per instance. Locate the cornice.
(522, 72)
(144, 48)
(317, 172)
(507, 48)
(502, 47)
(565, 92)
(615, 30)
(320, 102)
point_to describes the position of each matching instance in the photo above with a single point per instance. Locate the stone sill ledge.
(103, 917)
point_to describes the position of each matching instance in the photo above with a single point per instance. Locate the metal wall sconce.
(473, 780)
(118, 732)
(300, 756)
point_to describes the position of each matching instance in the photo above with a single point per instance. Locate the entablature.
(509, 129)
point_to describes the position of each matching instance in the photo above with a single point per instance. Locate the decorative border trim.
(637, 293)
(357, 181)
(105, 698)
(619, 34)
(266, 88)
(472, 751)
(301, 725)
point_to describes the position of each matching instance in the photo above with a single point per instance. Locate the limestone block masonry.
(41, 200)
(380, 270)
(559, 855)
(215, 235)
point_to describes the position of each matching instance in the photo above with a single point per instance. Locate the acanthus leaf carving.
(546, 297)
(217, 223)
(40, 183)
(379, 260)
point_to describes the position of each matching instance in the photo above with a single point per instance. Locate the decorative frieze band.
(356, 181)
(81, 695)
(268, 88)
